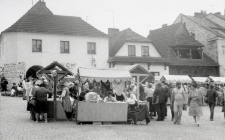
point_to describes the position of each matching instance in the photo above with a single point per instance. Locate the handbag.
(184, 107)
(33, 102)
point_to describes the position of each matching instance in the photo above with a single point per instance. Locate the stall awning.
(216, 80)
(104, 74)
(200, 79)
(176, 78)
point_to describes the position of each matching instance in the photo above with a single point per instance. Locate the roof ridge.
(168, 26)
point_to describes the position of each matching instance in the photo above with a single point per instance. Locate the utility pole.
(113, 16)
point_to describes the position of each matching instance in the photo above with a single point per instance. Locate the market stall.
(176, 78)
(102, 112)
(216, 80)
(55, 72)
(200, 80)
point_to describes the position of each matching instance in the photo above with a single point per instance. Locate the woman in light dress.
(195, 102)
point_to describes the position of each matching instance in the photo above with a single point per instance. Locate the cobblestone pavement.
(16, 125)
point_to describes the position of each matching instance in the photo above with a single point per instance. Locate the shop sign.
(69, 65)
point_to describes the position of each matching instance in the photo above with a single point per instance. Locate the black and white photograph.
(112, 69)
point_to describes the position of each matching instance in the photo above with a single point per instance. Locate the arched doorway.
(32, 71)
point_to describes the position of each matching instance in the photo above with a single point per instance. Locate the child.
(14, 90)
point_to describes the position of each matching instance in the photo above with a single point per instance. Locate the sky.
(138, 15)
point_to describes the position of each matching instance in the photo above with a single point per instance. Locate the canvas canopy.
(216, 80)
(176, 78)
(200, 79)
(104, 75)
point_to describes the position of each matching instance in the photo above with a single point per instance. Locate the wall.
(77, 57)
(124, 49)
(194, 71)
(221, 55)
(201, 34)
(8, 48)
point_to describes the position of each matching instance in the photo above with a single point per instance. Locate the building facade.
(39, 38)
(183, 52)
(128, 48)
(209, 29)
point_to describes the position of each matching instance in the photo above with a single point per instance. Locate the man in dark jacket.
(211, 98)
(160, 99)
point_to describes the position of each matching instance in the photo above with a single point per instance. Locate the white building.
(38, 38)
(127, 48)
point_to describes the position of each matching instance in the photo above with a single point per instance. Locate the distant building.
(128, 48)
(209, 29)
(183, 52)
(39, 37)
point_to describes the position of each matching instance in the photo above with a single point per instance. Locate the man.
(178, 100)
(211, 98)
(160, 98)
(172, 86)
(166, 89)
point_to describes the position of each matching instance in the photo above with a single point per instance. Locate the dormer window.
(183, 53)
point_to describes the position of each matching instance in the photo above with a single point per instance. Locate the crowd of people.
(180, 96)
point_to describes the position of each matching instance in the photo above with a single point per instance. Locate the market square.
(112, 70)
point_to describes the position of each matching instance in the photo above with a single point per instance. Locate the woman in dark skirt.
(41, 95)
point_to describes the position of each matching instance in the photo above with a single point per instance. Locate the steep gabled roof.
(161, 38)
(39, 19)
(167, 37)
(120, 38)
(207, 24)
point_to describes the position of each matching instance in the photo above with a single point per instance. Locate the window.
(36, 45)
(131, 50)
(91, 48)
(196, 54)
(145, 50)
(64, 47)
(188, 53)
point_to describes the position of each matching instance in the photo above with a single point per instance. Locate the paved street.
(16, 125)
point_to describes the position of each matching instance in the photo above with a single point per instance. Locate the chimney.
(192, 35)
(200, 15)
(112, 31)
(164, 25)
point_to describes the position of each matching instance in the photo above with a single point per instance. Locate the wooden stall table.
(60, 111)
(101, 112)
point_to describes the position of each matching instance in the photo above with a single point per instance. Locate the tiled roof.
(207, 24)
(161, 38)
(36, 21)
(120, 38)
(133, 59)
(165, 37)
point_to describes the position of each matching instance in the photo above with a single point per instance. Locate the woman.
(41, 96)
(195, 102)
(67, 106)
(142, 96)
(149, 94)
(109, 97)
